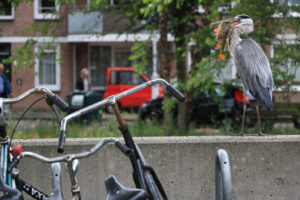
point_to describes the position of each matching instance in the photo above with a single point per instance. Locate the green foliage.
(169, 104)
(139, 54)
(23, 57)
(187, 25)
(267, 27)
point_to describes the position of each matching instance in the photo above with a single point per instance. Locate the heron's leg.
(244, 111)
(258, 120)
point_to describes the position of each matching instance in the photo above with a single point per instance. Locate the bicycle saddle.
(8, 193)
(116, 191)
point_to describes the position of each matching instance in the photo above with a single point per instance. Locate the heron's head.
(242, 24)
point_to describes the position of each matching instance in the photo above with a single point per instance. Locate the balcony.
(84, 22)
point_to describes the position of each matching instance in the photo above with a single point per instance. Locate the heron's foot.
(260, 134)
(242, 133)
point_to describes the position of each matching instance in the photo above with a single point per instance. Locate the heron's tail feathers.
(265, 99)
(221, 56)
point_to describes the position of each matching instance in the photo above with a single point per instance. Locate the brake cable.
(21, 117)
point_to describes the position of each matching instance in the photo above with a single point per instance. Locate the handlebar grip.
(12, 164)
(61, 141)
(175, 93)
(60, 103)
(123, 148)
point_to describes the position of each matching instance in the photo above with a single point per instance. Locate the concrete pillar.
(154, 60)
(74, 65)
(155, 89)
(189, 56)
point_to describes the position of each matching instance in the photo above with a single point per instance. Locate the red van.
(120, 79)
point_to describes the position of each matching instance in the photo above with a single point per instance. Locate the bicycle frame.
(4, 139)
(4, 146)
(144, 175)
(72, 165)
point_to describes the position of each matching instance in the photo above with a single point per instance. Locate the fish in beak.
(221, 32)
(221, 35)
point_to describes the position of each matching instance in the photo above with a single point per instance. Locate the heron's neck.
(233, 40)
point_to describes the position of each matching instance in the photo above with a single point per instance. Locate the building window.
(46, 9)
(100, 60)
(291, 67)
(287, 2)
(125, 78)
(6, 10)
(47, 68)
(122, 59)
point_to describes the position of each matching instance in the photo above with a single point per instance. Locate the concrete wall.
(263, 168)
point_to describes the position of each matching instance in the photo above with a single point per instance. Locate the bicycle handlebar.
(100, 104)
(175, 93)
(53, 97)
(60, 103)
(93, 150)
(26, 94)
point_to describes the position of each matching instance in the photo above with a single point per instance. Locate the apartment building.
(79, 43)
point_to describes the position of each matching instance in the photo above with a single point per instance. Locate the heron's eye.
(244, 16)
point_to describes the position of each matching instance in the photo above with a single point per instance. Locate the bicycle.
(116, 191)
(144, 175)
(145, 178)
(8, 183)
(15, 153)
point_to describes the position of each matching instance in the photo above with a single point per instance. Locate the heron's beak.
(234, 24)
(219, 22)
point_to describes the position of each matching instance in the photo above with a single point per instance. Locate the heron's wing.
(254, 69)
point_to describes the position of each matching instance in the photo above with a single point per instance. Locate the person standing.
(5, 88)
(82, 83)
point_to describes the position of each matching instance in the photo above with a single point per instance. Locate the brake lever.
(58, 117)
(53, 107)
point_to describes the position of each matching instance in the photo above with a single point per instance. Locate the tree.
(187, 24)
(188, 21)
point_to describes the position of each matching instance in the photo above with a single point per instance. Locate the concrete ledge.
(262, 167)
(167, 140)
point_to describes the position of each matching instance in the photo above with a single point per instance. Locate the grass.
(109, 128)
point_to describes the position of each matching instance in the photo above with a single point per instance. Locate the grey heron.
(252, 64)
